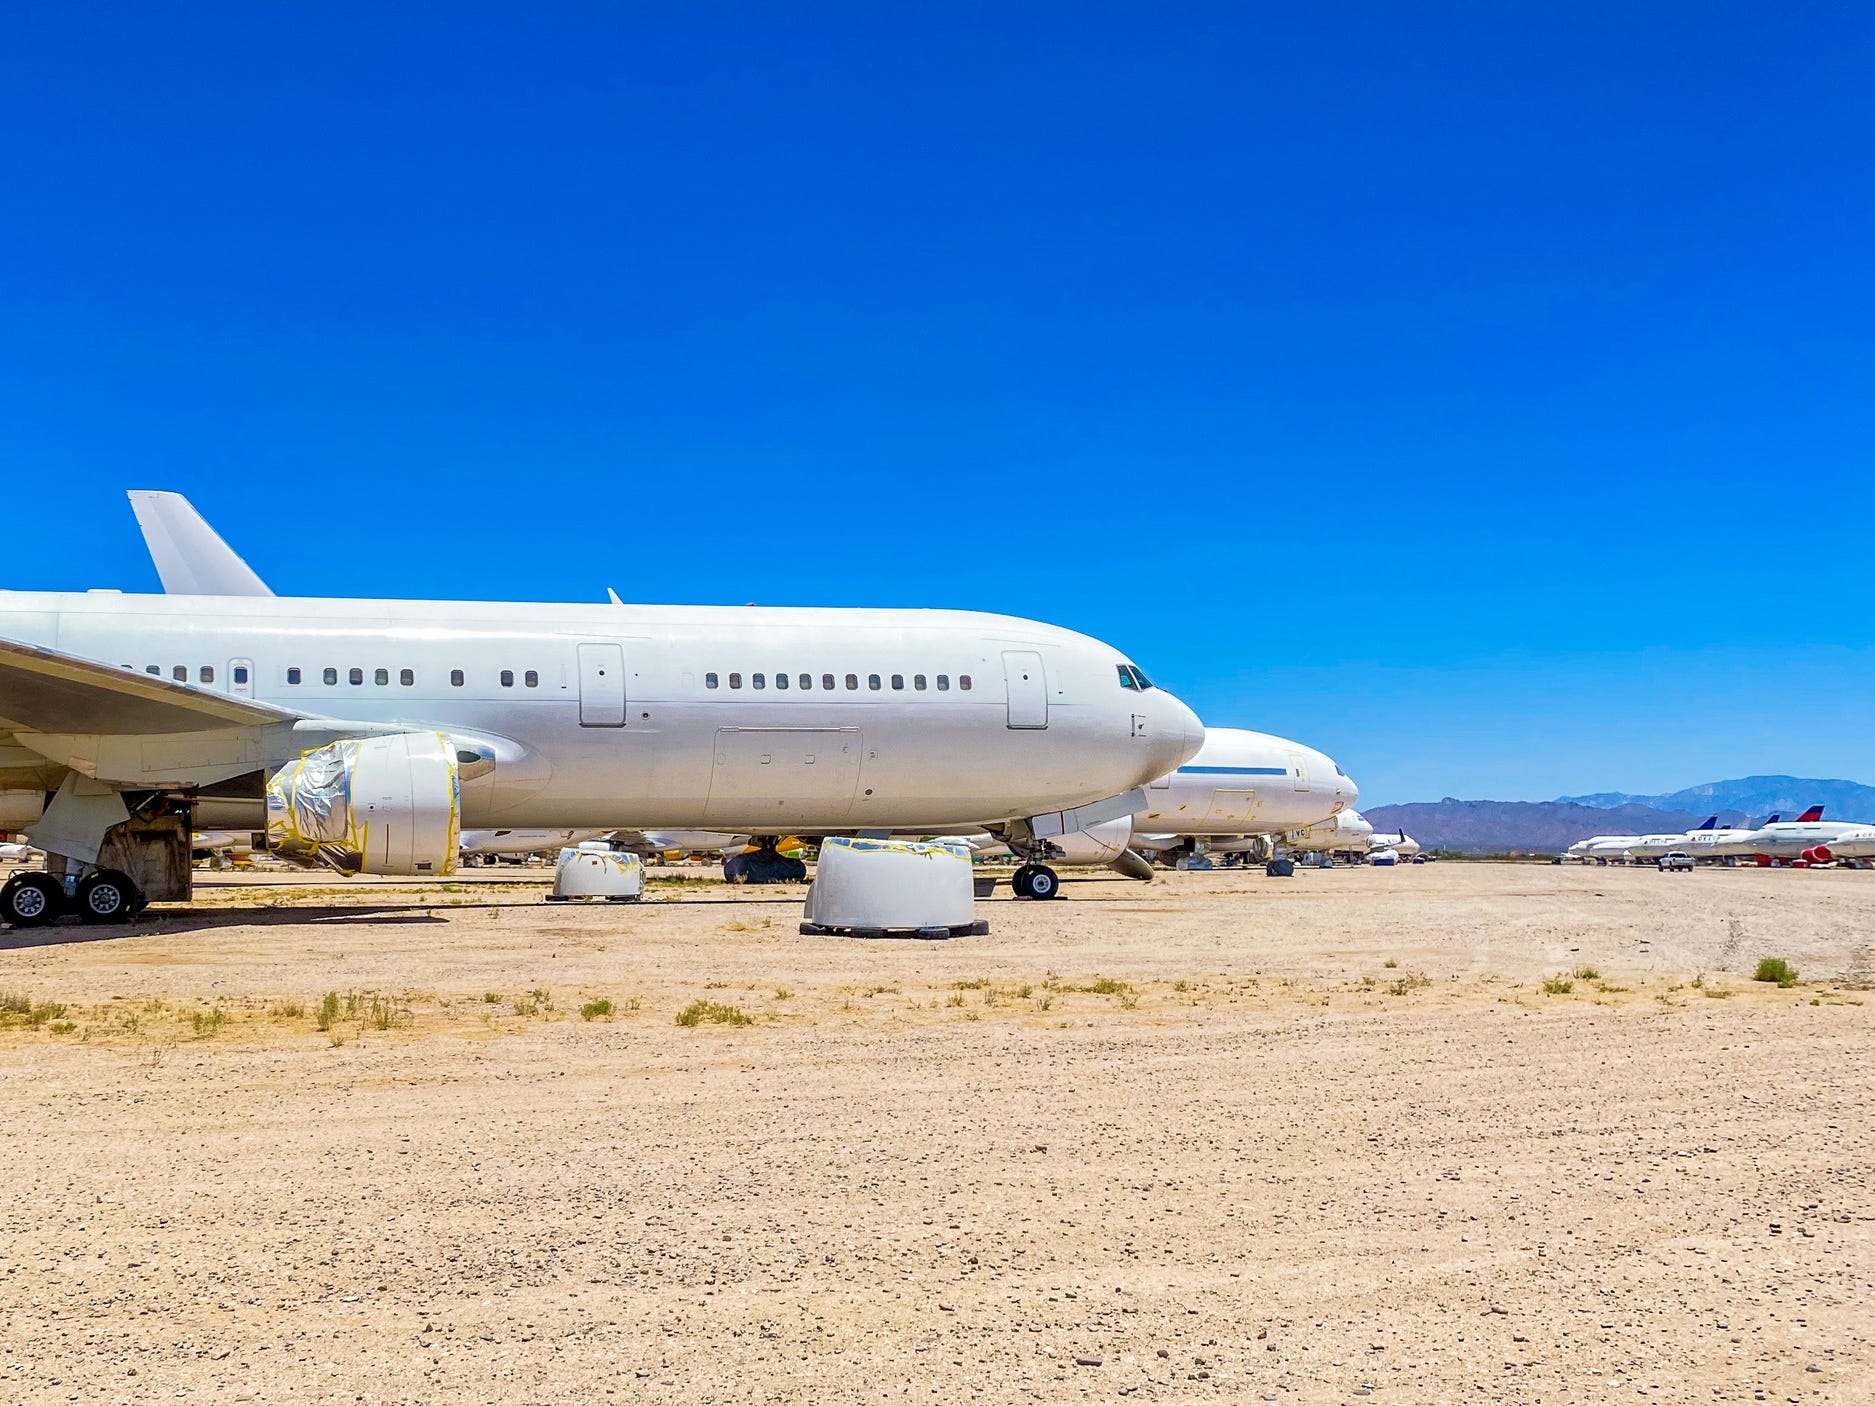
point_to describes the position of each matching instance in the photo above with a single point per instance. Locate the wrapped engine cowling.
(375, 805)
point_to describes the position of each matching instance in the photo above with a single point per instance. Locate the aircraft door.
(1028, 688)
(601, 685)
(241, 677)
(1299, 770)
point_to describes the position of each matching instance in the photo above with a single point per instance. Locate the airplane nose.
(1177, 734)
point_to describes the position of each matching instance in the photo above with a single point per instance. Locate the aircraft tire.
(1280, 869)
(31, 900)
(1044, 883)
(1019, 881)
(107, 897)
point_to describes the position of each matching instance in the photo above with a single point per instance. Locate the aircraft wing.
(46, 691)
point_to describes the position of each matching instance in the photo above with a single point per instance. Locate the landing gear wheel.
(31, 900)
(1019, 881)
(1280, 869)
(1044, 882)
(107, 897)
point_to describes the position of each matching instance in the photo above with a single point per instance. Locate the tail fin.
(1711, 822)
(1813, 813)
(190, 557)
(1776, 816)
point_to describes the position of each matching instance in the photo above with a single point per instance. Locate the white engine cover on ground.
(597, 872)
(891, 885)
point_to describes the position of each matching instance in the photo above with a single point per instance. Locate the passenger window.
(531, 678)
(826, 682)
(944, 683)
(331, 676)
(898, 681)
(180, 673)
(240, 673)
(758, 680)
(917, 681)
(781, 680)
(455, 678)
(735, 680)
(152, 669)
(382, 678)
(292, 675)
(852, 680)
(709, 681)
(206, 673)
(507, 678)
(806, 681)
(872, 682)
(963, 682)
(357, 676)
(406, 677)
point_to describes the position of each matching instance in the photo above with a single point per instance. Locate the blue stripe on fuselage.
(1233, 771)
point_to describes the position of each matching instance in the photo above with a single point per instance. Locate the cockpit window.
(1132, 677)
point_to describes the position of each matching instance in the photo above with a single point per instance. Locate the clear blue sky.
(1482, 393)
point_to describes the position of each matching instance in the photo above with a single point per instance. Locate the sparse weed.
(1717, 993)
(328, 1012)
(1043, 1001)
(1587, 974)
(1698, 981)
(207, 1022)
(1775, 969)
(782, 993)
(384, 1013)
(14, 1003)
(17, 1009)
(1022, 992)
(1391, 963)
(542, 997)
(62, 1027)
(596, 1009)
(712, 1013)
(526, 1006)
(1412, 981)
(288, 1010)
(1108, 986)
(956, 998)
(1183, 985)
(1608, 988)
(1557, 986)
(976, 983)
(492, 998)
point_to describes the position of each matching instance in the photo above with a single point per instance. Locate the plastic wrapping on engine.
(309, 809)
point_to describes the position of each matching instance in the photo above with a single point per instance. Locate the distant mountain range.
(1756, 796)
(1548, 827)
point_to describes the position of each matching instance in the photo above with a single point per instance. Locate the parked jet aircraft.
(363, 734)
(1401, 843)
(1649, 848)
(1220, 787)
(1857, 842)
(1347, 833)
(1807, 838)
(1723, 842)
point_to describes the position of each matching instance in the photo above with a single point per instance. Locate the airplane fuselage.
(754, 719)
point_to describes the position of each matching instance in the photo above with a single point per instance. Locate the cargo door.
(1231, 807)
(796, 776)
(601, 685)
(1028, 688)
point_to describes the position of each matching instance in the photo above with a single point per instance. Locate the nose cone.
(1349, 793)
(1175, 736)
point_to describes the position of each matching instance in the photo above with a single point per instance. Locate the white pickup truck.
(1676, 860)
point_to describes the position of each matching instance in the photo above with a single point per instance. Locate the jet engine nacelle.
(1821, 854)
(377, 805)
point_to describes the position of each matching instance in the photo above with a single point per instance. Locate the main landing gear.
(103, 896)
(1036, 881)
(764, 864)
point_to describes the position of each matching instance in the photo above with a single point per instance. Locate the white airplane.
(1219, 787)
(1857, 842)
(1807, 839)
(1723, 841)
(1401, 843)
(1649, 848)
(1347, 833)
(364, 734)
(1240, 789)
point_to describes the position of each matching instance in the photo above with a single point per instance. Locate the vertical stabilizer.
(190, 558)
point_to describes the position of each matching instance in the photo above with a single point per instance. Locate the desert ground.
(1459, 1132)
